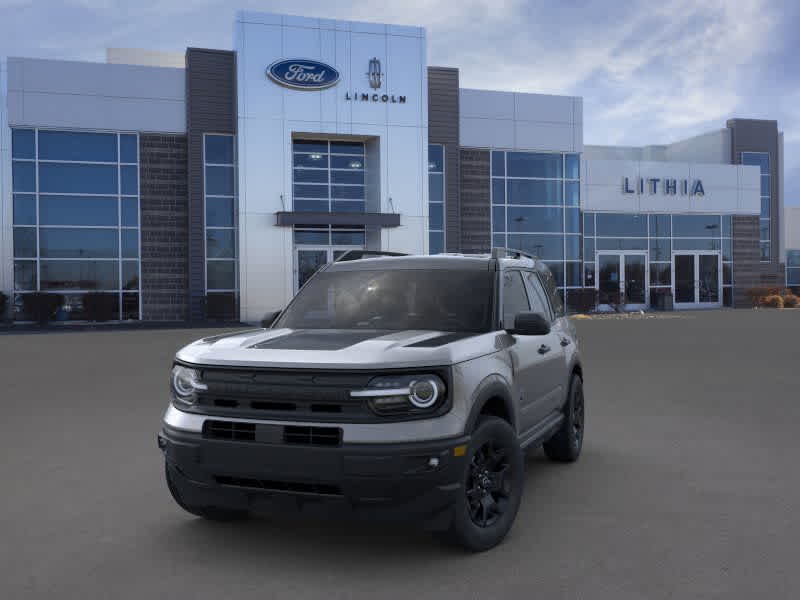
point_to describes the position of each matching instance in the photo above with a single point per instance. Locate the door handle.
(544, 349)
(564, 341)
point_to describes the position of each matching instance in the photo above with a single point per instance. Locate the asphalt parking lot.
(688, 486)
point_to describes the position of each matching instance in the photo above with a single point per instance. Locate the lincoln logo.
(669, 187)
(374, 74)
(301, 74)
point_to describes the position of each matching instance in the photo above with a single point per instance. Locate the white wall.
(729, 189)
(83, 95)
(791, 228)
(147, 58)
(6, 206)
(713, 147)
(519, 121)
(270, 114)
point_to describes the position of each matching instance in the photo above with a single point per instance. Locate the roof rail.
(359, 254)
(499, 252)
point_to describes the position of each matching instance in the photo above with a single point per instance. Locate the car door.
(541, 286)
(530, 355)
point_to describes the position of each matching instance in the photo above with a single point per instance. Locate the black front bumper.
(392, 481)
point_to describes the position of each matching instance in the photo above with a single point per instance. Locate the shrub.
(3, 306)
(773, 301)
(790, 301)
(41, 306)
(99, 306)
(221, 306)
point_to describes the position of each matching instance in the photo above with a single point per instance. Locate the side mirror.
(269, 319)
(530, 323)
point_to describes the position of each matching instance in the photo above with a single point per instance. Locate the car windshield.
(438, 299)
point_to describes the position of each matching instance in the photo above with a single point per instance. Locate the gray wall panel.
(164, 226)
(754, 135)
(210, 108)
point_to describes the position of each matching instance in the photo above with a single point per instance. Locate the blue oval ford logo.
(303, 74)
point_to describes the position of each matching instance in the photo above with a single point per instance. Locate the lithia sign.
(667, 186)
(306, 74)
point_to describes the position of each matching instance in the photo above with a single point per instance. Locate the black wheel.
(566, 443)
(492, 486)
(212, 513)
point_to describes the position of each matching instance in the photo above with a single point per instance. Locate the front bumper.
(396, 481)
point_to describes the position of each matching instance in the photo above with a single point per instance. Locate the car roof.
(435, 261)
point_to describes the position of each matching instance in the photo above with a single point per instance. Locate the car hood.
(338, 348)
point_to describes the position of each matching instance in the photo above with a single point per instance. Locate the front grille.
(312, 436)
(296, 487)
(284, 395)
(230, 430)
(272, 434)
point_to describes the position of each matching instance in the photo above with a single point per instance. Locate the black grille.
(312, 436)
(229, 430)
(295, 487)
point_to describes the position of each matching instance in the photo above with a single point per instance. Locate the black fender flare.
(493, 386)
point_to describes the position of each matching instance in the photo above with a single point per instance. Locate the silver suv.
(391, 386)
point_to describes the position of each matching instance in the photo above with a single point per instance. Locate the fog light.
(433, 462)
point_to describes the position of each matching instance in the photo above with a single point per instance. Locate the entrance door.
(697, 279)
(622, 280)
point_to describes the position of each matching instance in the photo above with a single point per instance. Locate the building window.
(328, 176)
(658, 235)
(436, 199)
(793, 269)
(76, 221)
(221, 229)
(536, 209)
(761, 160)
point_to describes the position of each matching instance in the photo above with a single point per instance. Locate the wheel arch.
(492, 397)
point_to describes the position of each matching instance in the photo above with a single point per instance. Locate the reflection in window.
(660, 235)
(219, 155)
(761, 160)
(535, 208)
(76, 228)
(436, 199)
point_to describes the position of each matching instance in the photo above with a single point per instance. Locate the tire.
(492, 485)
(212, 513)
(567, 442)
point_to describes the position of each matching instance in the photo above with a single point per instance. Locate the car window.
(515, 298)
(549, 283)
(537, 296)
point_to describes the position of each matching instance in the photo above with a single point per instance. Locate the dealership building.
(212, 183)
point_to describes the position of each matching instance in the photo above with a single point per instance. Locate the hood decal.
(441, 340)
(318, 340)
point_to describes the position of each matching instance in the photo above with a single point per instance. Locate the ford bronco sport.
(391, 386)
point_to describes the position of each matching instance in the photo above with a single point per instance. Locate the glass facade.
(761, 160)
(328, 176)
(435, 199)
(793, 268)
(221, 223)
(76, 220)
(660, 235)
(536, 209)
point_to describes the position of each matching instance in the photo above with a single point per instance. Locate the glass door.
(609, 279)
(683, 270)
(697, 279)
(622, 280)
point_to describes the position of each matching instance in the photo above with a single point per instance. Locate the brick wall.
(746, 266)
(165, 232)
(476, 216)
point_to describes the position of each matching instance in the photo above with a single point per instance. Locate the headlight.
(403, 394)
(185, 382)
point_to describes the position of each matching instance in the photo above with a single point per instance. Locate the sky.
(649, 72)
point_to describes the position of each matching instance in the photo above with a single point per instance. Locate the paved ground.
(688, 486)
